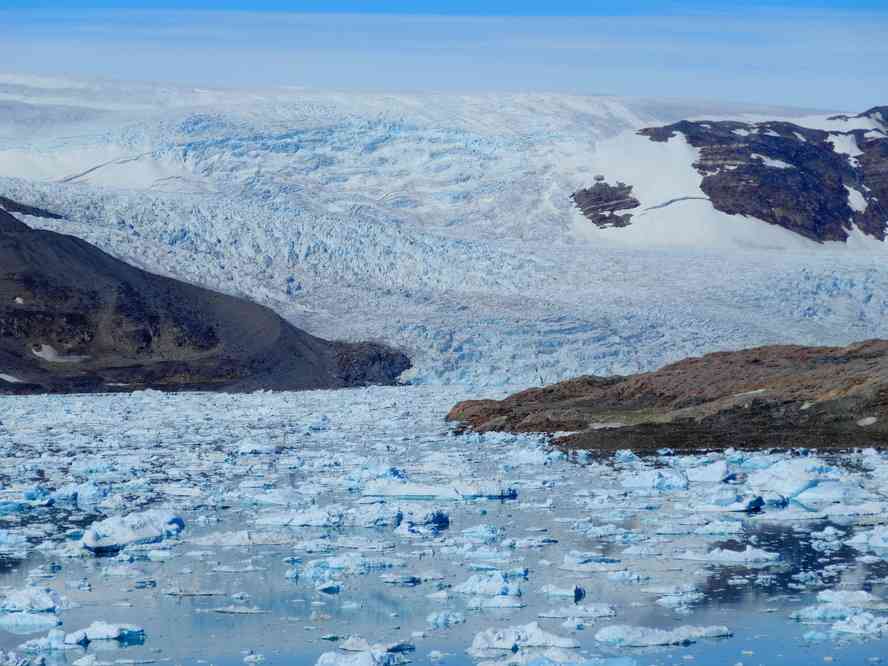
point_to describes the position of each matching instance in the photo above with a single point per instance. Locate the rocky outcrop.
(603, 204)
(11, 206)
(812, 182)
(74, 319)
(779, 396)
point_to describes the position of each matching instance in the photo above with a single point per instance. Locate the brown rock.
(807, 193)
(779, 396)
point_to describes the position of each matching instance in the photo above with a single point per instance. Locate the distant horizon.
(810, 55)
(515, 8)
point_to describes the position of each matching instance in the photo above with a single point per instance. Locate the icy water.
(314, 517)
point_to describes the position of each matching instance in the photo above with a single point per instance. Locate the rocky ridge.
(777, 396)
(75, 319)
(817, 183)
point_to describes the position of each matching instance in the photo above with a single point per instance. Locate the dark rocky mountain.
(779, 396)
(75, 319)
(813, 182)
(11, 206)
(605, 204)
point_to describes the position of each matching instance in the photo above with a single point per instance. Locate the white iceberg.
(112, 534)
(104, 631)
(514, 639)
(623, 635)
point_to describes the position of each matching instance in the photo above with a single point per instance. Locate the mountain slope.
(726, 176)
(443, 223)
(782, 396)
(73, 318)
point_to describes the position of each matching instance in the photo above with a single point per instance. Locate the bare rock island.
(776, 396)
(75, 319)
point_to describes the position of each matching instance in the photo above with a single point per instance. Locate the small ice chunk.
(875, 539)
(491, 584)
(478, 603)
(54, 641)
(576, 592)
(630, 636)
(454, 492)
(720, 527)
(791, 477)
(583, 562)
(823, 613)
(862, 624)
(588, 611)
(713, 472)
(367, 658)
(749, 555)
(112, 534)
(514, 639)
(28, 623)
(655, 480)
(319, 517)
(445, 619)
(851, 598)
(103, 631)
(31, 600)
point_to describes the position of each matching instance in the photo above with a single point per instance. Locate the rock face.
(74, 319)
(813, 182)
(780, 396)
(603, 204)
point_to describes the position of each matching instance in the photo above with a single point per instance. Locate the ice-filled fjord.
(354, 527)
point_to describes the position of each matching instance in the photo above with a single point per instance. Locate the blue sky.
(459, 7)
(827, 55)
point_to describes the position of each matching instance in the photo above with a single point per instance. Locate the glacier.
(439, 223)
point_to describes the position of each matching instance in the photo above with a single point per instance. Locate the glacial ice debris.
(874, 540)
(623, 635)
(709, 472)
(586, 612)
(513, 639)
(28, 623)
(654, 480)
(445, 619)
(749, 555)
(851, 598)
(54, 641)
(585, 562)
(366, 658)
(862, 624)
(317, 517)
(112, 534)
(790, 477)
(31, 600)
(104, 631)
(452, 492)
(491, 584)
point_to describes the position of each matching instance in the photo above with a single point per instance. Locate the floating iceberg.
(514, 639)
(630, 636)
(103, 631)
(112, 534)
